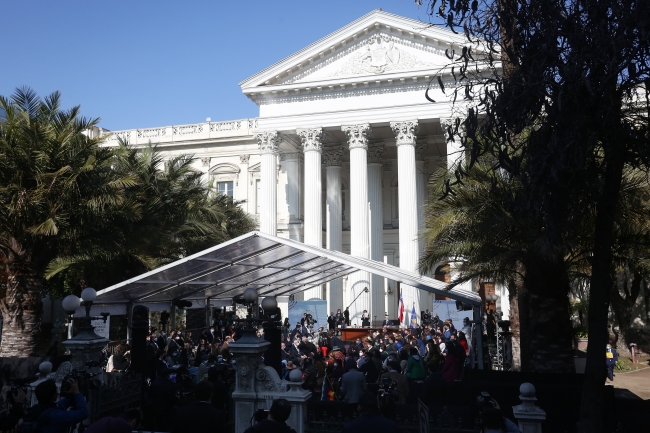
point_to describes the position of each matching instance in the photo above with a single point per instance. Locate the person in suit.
(387, 321)
(369, 418)
(331, 321)
(200, 416)
(346, 315)
(304, 331)
(353, 383)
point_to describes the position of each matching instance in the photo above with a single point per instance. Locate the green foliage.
(78, 213)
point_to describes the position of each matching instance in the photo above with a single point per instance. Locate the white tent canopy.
(272, 265)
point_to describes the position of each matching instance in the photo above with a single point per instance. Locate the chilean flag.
(401, 309)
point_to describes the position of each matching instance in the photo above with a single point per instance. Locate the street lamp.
(71, 303)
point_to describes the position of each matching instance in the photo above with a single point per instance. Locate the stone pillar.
(268, 142)
(455, 151)
(290, 197)
(405, 136)
(375, 172)
(421, 179)
(312, 142)
(528, 415)
(359, 219)
(258, 385)
(333, 157)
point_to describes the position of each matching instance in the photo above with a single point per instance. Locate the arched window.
(226, 177)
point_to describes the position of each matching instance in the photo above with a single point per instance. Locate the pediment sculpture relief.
(381, 54)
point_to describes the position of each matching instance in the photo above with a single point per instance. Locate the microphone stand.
(366, 290)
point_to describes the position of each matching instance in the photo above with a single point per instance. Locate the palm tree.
(483, 228)
(53, 178)
(74, 213)
(169, 212)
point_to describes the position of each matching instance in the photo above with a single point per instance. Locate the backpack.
(34, 424)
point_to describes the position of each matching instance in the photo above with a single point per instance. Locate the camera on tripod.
(387, 391)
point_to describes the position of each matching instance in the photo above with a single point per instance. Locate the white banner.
(102, 328)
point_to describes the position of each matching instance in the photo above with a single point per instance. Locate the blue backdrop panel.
(447, 310)
(317, 308)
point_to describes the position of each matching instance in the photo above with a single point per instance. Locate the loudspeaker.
(139, 330)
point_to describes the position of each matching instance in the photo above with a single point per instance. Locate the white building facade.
(341, 152)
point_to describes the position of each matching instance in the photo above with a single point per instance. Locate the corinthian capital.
(268, 141)
(375, 152)
(312, 139)
(357, 135)
(451, 126)
(333, 156)
(405, 132)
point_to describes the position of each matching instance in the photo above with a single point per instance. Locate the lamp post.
(86, 345)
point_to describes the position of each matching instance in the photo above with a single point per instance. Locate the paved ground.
(637, 382)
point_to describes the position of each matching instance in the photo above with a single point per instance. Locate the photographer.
(10, 417)
(50, 416)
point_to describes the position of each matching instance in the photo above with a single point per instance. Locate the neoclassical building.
(341, 152)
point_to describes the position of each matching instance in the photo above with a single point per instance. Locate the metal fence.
(115, 396)
(330, 418)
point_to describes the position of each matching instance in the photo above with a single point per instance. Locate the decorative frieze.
(405, 132)
(357, 135)
(388, 166)
(205, 161)
(244, 159)
(268, 141)
(375, 153)
(333, 156)
(291, 156)
(312, 139)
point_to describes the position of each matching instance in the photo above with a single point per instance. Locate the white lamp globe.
(89, 294)
(71, 303)
(269, 303)
(250, 295)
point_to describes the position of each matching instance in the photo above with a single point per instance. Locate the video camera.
(310, 320)
(84, 378)
(387, 391)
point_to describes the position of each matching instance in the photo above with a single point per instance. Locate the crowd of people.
(335, 370)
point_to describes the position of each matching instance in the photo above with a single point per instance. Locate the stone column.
(421, 183)
(312, 142)
(290, 197)
(359, 230)
(375, 172)
(269, 142)
(333, 157)
(455, 151)
(405, 136)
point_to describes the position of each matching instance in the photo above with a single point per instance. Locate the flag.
(414, 317)
(401, 309)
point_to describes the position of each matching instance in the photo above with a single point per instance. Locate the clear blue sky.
(138, 63)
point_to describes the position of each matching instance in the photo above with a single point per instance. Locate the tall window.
(257, 195)
(225, 188)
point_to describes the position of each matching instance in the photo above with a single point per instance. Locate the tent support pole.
(129, 320)
(173, 314)
(478, 321)
(208, 312)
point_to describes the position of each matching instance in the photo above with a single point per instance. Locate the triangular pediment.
(377, 44)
